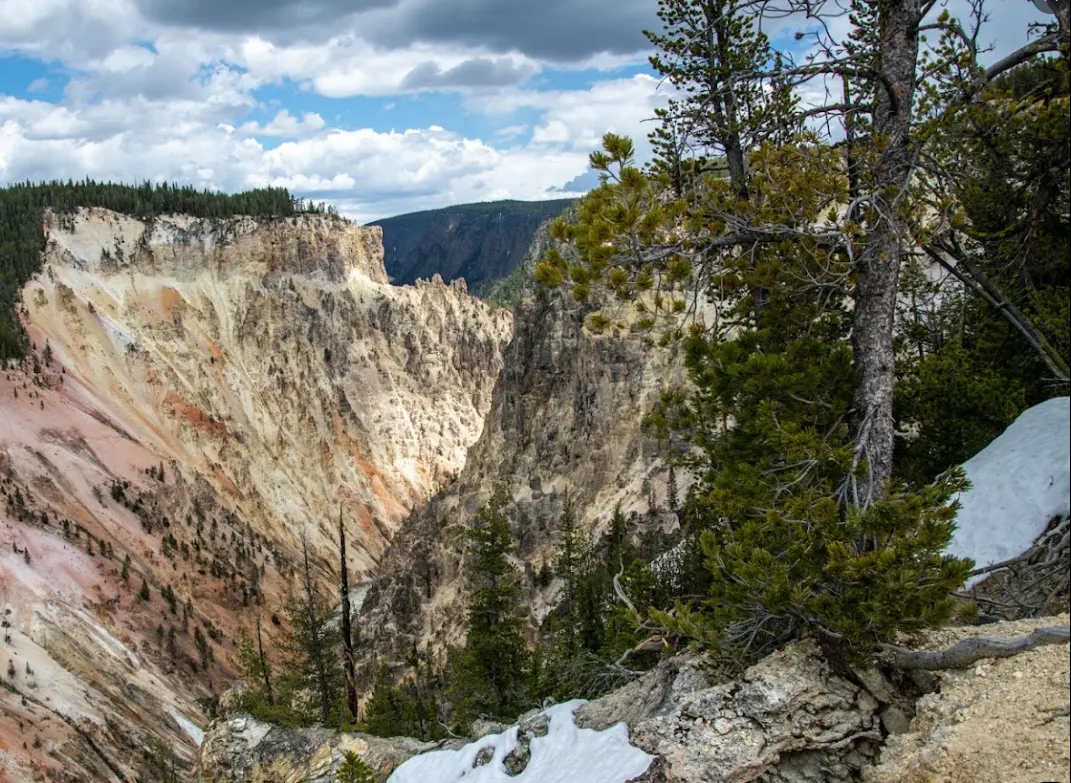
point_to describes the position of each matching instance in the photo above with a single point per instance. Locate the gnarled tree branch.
(968, 651)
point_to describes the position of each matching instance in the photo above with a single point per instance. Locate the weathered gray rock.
(789, 719)
(481, 728)
(242, 749)
(659, 692)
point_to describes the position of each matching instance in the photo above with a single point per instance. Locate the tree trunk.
(315, 643)
(969, 651)
(734, 147)
(264, 665)
(347, 636)
(879, 262)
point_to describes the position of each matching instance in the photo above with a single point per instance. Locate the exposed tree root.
(968, 651)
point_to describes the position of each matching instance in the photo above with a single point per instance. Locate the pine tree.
(787, 549)
(701, 50)
(312, 643)
(144, 593)
(572, 550)
(354, 770)
(486, 673)
(252, 663)
(388, 709)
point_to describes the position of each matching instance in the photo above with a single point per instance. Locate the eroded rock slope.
(565, 421)
(202, 394)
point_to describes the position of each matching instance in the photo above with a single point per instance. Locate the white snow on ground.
(1020, 482)
(191, 730)
(566, 754)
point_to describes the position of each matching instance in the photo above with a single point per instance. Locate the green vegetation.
(805, 520)
(23, 205)
(411, 709)
(481, 243)
(354, 770)
(485, 673)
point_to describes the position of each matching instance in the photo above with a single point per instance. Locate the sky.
(380, 107)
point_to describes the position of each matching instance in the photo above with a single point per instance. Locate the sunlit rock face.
(566, 421)
(275, 360)
(277, 378)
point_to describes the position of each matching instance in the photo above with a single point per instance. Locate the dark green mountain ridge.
(482, 242)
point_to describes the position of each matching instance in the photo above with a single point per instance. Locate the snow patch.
(192, 731)
(1019, 482)
(567, 754)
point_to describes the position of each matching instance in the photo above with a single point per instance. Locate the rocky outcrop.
(794, 717)
(565, 421)
(241, 749)
(788, 718)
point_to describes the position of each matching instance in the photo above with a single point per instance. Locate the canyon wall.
(202, 395)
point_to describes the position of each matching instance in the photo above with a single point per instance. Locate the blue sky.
(380, 106)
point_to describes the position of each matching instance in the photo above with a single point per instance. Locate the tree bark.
(347, 636)
(879, 262)
(315, 644)
(968, 651)
(264, 665)
(734, 148)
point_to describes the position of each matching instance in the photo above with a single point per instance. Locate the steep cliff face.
(275, 360)
(478, 242)
(565, 420)
(203, 394)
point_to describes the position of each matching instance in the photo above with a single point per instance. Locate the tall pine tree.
(488, 672)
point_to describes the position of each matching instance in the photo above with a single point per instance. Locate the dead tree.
(265, 670)
(347, 635)
(969, 651)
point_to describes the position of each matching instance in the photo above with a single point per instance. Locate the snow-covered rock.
(1019, 483)
(558, 750)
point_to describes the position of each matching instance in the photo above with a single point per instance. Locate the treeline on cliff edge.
(23, 205)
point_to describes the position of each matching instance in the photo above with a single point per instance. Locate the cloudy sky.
(380, 106)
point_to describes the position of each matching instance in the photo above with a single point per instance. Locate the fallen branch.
(968, 651)
(1058, 713)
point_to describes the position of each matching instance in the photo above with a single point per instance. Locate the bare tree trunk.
(734, 147)
(264, 665)
(969, 651)
(347, 636)
(312, 610)
(879, 261)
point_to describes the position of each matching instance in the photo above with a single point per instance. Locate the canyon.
(204, 396)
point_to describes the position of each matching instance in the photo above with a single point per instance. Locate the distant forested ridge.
(482, 243)
(22, 239)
